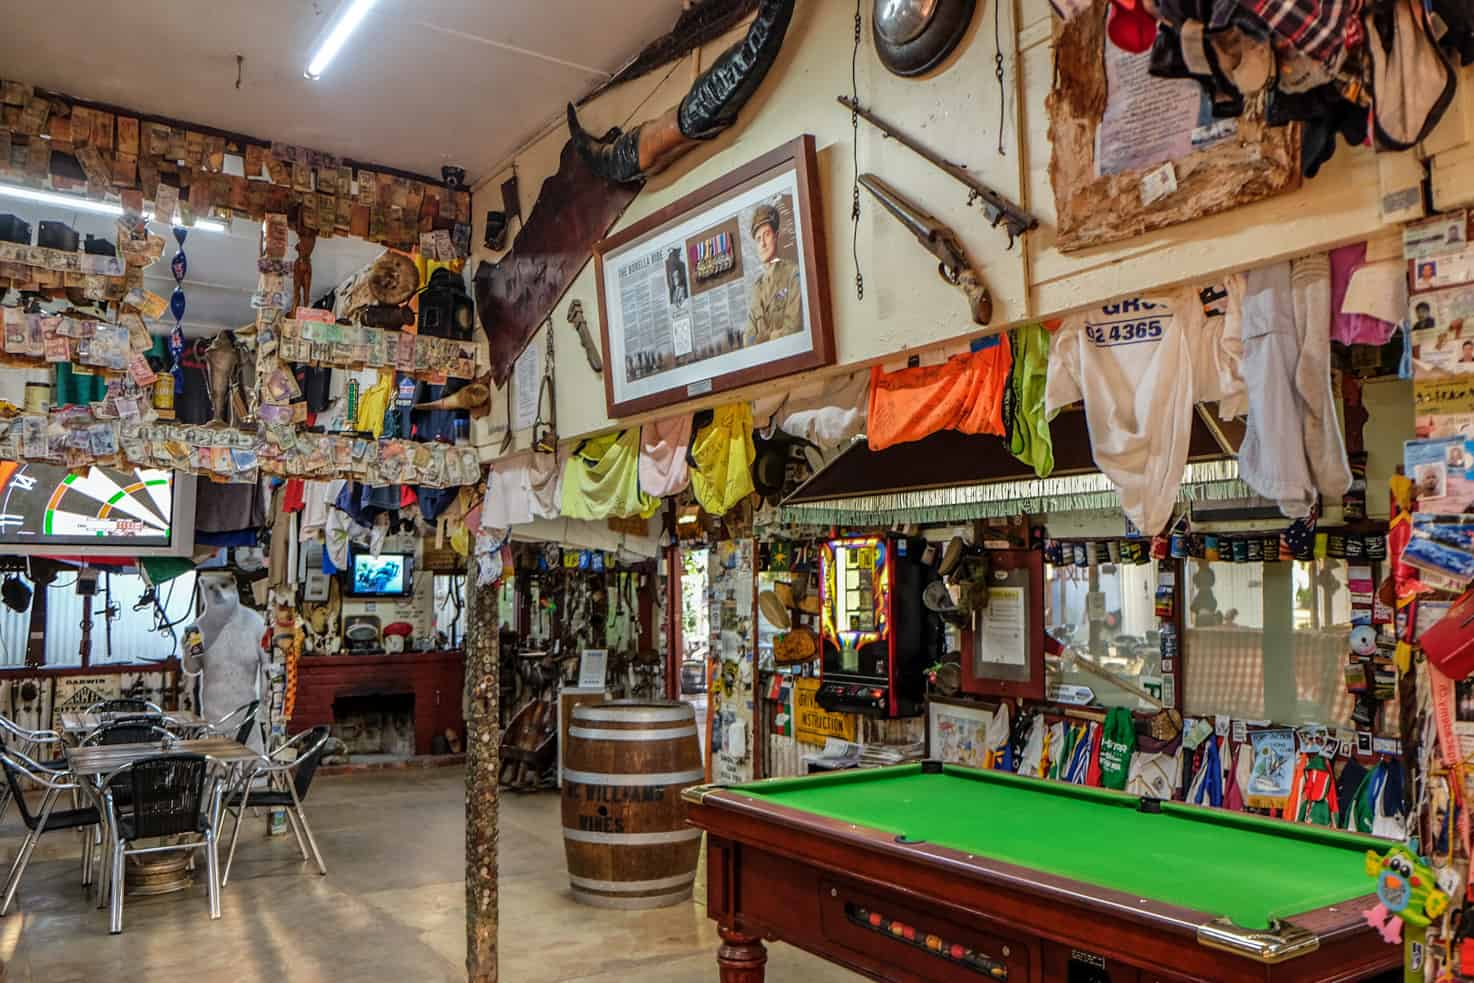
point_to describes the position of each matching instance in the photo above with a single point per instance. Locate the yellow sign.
(811, 722)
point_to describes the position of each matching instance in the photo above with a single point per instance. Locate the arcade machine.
(876, 636)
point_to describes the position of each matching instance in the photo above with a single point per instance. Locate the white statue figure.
(230, 658)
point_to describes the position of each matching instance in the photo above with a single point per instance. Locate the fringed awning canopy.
(953, 477)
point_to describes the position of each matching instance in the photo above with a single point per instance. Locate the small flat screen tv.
(385, 575)
(47, 510)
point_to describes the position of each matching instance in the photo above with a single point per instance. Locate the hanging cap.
(1130, 27)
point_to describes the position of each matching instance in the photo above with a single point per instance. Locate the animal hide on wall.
(575, 208)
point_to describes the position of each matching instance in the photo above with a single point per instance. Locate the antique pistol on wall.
(998, 209)
(939, 240)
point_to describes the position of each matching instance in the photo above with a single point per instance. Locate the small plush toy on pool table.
(1408, 890)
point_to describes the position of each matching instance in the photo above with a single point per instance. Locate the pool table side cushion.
(741, 818)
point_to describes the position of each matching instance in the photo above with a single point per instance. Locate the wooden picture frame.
(688, 306)
(1092, 208)
(955, 730)
(1005, 676)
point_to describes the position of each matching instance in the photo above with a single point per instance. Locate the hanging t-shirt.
(545, 481)
(602, 479)
(1029, 438)
(722, 453)
(1117, 744)
(508, 500)
(1293, 449)
(1131, 362)
(663, 446)
(965, 394)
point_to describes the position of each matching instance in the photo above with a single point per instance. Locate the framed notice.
(1004, 651)
(722, 288)
(1131, 152)
(957, 730)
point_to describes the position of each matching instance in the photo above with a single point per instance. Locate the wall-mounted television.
(46, 509)
(385, 575)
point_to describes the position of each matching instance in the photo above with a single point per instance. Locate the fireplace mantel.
(437, 680)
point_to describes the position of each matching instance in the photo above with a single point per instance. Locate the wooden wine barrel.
(624, 824)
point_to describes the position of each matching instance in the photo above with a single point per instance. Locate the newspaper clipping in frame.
(719, 291)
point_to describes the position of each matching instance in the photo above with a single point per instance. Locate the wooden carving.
(1092, 209)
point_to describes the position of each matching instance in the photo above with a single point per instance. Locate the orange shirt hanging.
(965, 393)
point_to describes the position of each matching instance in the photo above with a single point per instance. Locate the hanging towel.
(1029, 438)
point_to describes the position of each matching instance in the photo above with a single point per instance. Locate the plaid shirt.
(1320, 29)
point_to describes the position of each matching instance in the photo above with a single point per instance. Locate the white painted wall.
(955, 111)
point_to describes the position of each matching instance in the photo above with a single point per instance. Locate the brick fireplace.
(375, 723)
(407, 698)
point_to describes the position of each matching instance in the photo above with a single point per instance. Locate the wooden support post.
(483, 741)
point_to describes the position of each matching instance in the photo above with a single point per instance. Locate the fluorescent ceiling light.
(349, 18)
(77, 204)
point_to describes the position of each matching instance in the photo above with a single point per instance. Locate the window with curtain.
(123, 630)
(1268, 641)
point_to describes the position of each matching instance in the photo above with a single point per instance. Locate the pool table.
(931, 872)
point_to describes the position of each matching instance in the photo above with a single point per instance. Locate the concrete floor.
(392, 907)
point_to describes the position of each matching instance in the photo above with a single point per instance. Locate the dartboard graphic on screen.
(44, 505)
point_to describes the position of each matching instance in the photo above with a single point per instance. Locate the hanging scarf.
(1207, 784)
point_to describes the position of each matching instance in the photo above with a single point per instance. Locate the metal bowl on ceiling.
(914, 36)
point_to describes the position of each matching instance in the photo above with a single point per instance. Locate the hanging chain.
(998, 68)
(855, 156)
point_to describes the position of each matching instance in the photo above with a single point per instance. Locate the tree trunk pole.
(483, 745)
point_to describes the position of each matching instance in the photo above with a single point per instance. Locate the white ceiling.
(422, 83)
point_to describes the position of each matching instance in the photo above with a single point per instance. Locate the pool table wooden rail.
(780, 873)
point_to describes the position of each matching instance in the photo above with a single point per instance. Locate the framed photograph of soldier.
(723, 288)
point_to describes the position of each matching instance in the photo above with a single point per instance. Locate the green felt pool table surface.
(1248, 868)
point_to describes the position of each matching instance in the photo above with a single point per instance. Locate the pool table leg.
(741, 958)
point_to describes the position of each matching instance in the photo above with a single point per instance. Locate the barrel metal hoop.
(645, 715)
(632, 887)
(631, 839)
(643, 778)
(602, 734)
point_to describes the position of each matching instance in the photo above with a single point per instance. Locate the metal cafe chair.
(130, 730)
(287, 784)
(241, 720)
(29, 743)
(49, 819)
(125, 705)
(172, 797)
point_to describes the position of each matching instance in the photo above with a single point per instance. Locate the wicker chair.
(173, 796)
(287, 784)
(18, 768)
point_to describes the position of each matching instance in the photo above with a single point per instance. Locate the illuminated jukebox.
(876, 635)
